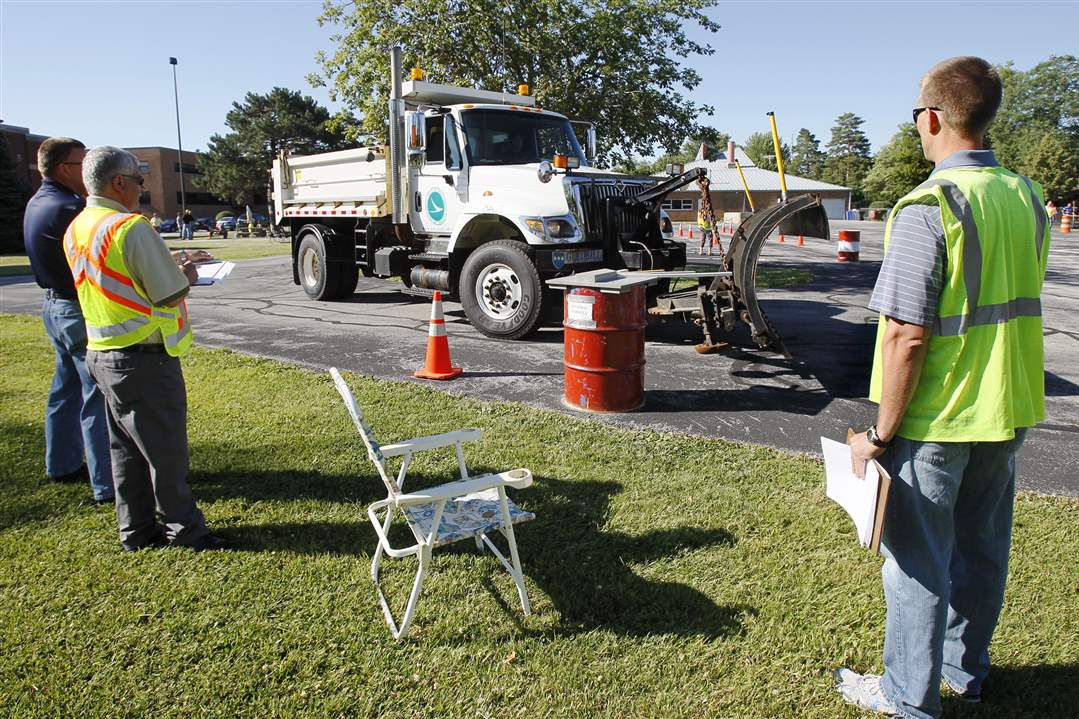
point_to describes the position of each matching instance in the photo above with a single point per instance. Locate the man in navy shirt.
(75, 423)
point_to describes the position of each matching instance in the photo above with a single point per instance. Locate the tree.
(898, 168)
(1053, 160)
(807, 160)
(848, 160)
(762, 151)
(234, 166)
(1038, 121)
(618, 65)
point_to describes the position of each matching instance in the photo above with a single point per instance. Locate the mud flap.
(802, 215)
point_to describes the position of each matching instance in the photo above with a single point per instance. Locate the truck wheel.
(501, 291)
(319, 279)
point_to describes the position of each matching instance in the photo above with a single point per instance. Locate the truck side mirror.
(415, 132)
(590, 146)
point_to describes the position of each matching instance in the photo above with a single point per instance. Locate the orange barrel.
(604, 349)
(1066, 223)
(849, 246)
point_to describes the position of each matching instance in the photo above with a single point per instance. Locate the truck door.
(439, 192)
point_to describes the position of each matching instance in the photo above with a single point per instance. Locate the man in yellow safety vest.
(959, 376)
(132, 291)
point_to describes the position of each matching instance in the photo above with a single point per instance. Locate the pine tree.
(762, 151)
(848, 158)
(807, 160)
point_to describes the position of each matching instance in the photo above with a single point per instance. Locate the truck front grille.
(600, 223)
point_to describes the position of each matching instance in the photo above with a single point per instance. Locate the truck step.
(422, 292)
(428, 257)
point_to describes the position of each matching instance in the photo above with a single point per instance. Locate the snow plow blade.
(803, 215)
(717, 307)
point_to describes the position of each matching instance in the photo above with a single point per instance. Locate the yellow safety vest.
(117, 311)
(984, 372)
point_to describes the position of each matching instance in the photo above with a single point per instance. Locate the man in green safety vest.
(958, 372)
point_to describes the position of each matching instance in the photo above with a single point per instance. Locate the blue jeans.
(187, 231)
(75, 420)
(946, 541)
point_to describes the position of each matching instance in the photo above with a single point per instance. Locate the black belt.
(56, 295)
(139, 349)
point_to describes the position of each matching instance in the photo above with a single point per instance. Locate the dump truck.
(481, 195)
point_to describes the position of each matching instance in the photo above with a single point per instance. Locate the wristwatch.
(874, 438)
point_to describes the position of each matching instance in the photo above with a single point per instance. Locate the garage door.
(835, 207)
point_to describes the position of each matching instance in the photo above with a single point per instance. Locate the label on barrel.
(579, 312)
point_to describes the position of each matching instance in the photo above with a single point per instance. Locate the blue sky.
(99, 71)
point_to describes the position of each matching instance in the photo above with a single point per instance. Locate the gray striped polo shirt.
(912, 274)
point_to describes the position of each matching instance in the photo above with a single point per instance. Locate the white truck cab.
(479, 194)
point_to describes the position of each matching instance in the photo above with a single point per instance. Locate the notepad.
(213, 273)
(865, 500)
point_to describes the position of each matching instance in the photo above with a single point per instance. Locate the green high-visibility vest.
(984, 372)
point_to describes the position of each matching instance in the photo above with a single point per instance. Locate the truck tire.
(501, 291)
(319, 279)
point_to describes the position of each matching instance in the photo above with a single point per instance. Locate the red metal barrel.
(849, 246)
(604, 349)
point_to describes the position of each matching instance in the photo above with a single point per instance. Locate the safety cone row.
(438, 364)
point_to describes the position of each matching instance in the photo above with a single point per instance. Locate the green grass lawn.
(238, 249)
(670, 576)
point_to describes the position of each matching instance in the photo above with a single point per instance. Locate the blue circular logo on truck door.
(436, 206)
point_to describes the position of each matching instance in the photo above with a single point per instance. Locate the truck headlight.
(561, 228)
(552, 229)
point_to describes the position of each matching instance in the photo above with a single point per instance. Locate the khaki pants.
(146, 403)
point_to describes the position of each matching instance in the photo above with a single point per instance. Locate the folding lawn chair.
(468, 507)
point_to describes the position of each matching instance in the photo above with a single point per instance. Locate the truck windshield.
(508, 137)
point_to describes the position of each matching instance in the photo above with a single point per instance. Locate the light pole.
(179, 143)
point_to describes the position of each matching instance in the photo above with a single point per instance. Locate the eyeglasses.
(919, 110)
(137, 178)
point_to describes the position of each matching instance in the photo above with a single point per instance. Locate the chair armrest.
(432, 442)
(516, 478)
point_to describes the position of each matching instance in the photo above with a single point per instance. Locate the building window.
(144, 167)
(189, 169)
(677, 204)
(199, 198)
(144, 198)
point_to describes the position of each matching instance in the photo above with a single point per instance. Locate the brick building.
(728, 195)
(161, 191)
(23, 146)
(159, 165)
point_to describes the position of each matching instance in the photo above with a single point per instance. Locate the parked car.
(204, 223)
(227, 223)
(168, 226)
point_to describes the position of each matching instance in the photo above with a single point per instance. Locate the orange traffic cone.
(801, 240)
(437, 364)
(781, 238)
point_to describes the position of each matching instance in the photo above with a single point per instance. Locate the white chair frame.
(467, 487)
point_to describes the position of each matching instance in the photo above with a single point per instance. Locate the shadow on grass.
(586, 569)
(1046, 691)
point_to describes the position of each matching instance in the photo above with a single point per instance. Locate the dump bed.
(348, 182)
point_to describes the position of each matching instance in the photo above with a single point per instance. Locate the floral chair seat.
(466, 516)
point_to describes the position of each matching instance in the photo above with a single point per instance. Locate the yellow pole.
(779, 156)
(745, 186)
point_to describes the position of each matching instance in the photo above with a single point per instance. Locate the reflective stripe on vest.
(976, 314)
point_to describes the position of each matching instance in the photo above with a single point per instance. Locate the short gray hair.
(104, 163)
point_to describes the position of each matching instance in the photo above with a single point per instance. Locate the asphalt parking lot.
(743, 395)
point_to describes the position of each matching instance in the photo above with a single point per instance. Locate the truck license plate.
(576, 257)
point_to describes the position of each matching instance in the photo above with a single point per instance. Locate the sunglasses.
(919, 110)
(137, 178)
